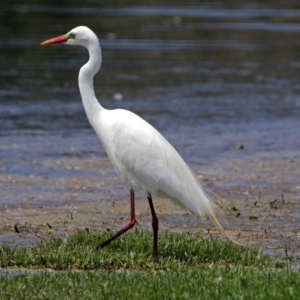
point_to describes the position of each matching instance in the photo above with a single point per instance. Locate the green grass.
(187, 268)
(131, 252)
(223, 283)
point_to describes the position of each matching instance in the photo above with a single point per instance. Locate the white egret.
(138, 152)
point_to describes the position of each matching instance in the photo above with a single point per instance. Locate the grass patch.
(187, 268)
(222, 283)
(131, 252)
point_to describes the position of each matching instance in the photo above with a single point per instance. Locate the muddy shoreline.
(255, 213)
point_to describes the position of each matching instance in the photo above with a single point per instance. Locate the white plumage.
(147, 161)
(138, 152)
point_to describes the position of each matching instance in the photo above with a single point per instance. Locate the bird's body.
(138, 152)
(147, 161)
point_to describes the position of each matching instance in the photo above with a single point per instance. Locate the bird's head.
(80, 35)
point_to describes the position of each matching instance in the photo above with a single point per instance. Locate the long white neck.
(85, 80)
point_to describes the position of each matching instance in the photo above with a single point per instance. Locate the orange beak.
(56, 40)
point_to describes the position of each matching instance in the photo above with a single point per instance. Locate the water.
(213, 78)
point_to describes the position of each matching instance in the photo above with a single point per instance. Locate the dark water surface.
(220, 81)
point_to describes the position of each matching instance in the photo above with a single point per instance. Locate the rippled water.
(204, 65)
(210, 77)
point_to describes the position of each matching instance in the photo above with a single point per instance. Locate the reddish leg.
(154, 226)
(128, 226)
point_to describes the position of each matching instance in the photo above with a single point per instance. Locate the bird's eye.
(72, 35)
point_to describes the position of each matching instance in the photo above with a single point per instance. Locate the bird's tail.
(179, 183)
(197, 200)
(211, 210)
(213, 218)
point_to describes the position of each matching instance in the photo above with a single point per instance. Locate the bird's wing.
(147, 161)
(145, 157)
(135, 150)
